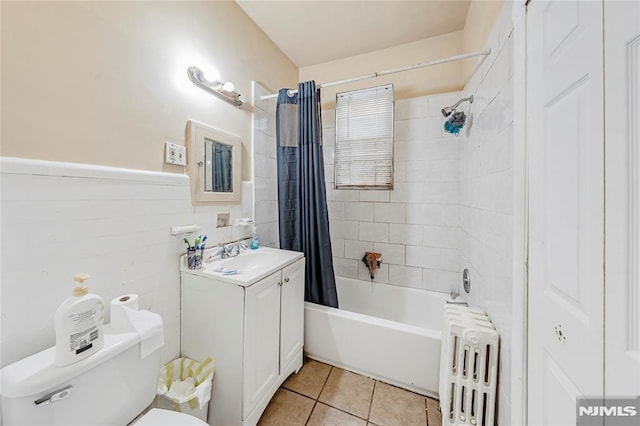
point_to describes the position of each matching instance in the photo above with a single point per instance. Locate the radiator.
(468, 367)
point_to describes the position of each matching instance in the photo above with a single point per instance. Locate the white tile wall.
(371, 231)
(414, 226)
(59, 219)
(265, 172)
(486, 202)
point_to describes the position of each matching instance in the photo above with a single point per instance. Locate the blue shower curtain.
(302, 200)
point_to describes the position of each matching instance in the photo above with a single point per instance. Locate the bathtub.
(382, 331)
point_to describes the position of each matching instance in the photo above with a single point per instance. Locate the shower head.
(447, 111)
(455, 122)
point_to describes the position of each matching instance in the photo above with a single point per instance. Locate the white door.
(291, 313)
(565, 140)
(622, 206)
(261, 340)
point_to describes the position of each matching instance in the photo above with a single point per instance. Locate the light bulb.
(228, 87)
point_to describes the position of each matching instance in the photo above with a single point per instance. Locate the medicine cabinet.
(214, 163)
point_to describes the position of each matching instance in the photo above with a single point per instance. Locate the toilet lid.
(159, 417)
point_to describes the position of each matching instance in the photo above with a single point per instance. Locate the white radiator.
(468, 367)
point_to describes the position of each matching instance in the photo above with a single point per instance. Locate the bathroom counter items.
(251, 324)
(245, 269)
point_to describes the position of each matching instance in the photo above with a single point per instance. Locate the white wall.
(414, 226)
(105, 82)
(487, 194)
(265, 168)
(59, 219)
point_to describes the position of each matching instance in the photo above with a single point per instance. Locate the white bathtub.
(383, 331)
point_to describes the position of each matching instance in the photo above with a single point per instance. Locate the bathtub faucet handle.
(454, 294)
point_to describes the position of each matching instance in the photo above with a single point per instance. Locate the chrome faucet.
(233, 249)
(225, 251)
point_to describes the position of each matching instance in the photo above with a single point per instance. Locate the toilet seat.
(160, 417)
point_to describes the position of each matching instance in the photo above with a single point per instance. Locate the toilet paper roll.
(119, 318)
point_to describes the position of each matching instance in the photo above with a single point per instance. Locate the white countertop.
(277, 259)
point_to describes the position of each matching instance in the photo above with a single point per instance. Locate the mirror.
(218, 170)
(214, 163)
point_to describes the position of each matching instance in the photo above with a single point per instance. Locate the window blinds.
(364, 138)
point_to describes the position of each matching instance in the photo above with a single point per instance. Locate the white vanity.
(250, 323)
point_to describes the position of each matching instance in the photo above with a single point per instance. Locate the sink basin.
(249, 261)
(251, 265)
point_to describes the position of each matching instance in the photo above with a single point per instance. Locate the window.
(364, 139)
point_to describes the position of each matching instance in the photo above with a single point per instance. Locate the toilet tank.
(110, 387)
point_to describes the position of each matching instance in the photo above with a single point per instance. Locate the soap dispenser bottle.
(78, 323)
(255, 240)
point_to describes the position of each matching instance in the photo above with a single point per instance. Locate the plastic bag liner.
(180, 369)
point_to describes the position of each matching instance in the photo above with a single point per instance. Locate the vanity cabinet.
(253, 333)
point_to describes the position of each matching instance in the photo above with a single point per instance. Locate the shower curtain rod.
(392, 71)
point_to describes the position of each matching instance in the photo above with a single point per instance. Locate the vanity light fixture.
(223, 90)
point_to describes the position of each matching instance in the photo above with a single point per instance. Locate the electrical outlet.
(223, 220)
(175, 154)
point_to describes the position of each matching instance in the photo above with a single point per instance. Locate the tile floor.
(321, 394)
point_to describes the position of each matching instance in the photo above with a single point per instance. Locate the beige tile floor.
(321, 394)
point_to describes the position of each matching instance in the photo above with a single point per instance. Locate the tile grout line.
(336, 408)
(343, 411)
(297, 393)
(325, 382)
(426, 411)
(371, 402)
(315, 402)
(311, 412)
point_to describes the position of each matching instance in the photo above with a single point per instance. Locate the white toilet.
(111, 387)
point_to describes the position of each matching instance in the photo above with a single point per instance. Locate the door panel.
(292, 312)
(622, 144)
(261, 340)
(565, 127)
(560, 392)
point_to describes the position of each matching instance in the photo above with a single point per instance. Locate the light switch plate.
(175, 154)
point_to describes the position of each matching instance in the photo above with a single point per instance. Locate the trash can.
(184, 385)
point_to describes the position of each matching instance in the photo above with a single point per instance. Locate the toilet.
(111, 387)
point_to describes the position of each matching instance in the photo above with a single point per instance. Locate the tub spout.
(372, 260)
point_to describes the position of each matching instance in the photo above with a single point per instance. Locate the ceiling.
(310, 32)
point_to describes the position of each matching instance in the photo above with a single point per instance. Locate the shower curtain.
(302, 202)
